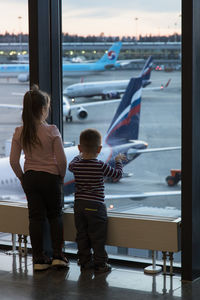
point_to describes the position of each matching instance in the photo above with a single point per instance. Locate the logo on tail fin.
(125, 124)
(146, 72)
(111, 55)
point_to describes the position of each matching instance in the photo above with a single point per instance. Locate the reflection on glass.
(92, 97)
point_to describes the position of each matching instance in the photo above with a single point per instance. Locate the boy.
(89, 208)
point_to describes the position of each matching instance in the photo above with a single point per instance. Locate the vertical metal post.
(20, 243)
(13, 242)
(164, 262)
(190, 224)
(171, 259)
(153, 269)
(46, 61)
(45, 52)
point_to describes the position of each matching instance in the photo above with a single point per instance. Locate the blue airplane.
(106, 62)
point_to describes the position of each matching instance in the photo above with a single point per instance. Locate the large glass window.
(14, 66)
(92, 83)
(14, 81)
(104, 46)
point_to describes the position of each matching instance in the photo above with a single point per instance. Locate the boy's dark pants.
(91, 226)
(43, 192)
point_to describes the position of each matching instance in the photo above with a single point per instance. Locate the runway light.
(111, 206)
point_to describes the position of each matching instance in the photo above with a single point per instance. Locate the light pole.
(175, 34)
(177, 24)
(20, 35)
(159, 34)
(136, 38)
(180, 16)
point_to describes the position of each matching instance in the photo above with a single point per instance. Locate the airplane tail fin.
(125, 124)
(167, 84)
(146, 72)
(111, 55)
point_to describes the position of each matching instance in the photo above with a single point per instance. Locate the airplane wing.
(146, 150)
(156, 149)
(132, 151)
(16, 106)
(134, 196)
(72, 106)
(126, 62)
(87, 104)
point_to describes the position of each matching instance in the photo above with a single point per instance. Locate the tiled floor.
(18, 281)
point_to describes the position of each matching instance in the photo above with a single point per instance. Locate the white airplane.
(121, 137)
(78, 109)
(108, 89)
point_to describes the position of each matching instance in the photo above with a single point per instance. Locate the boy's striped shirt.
(89, 177)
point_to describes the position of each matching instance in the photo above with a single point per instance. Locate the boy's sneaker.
(60, 261)
(103, 268)
(42, 264)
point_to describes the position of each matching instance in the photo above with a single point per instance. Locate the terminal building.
(164, 53)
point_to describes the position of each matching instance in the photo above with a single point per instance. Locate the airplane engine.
(82, 113)
(131, 154)
(23, 77)
(112, 95)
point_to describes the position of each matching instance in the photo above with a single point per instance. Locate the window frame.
(46, 70)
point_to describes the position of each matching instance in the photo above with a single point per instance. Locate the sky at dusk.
(91, 17)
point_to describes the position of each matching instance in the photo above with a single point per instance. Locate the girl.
(44, 171)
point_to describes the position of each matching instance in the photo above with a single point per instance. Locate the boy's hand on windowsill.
(120, 157)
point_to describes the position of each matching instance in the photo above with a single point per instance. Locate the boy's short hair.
(90, 140)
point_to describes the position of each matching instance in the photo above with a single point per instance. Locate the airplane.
(79, 109)
(108, 89)
(121, 137)
(106, 62)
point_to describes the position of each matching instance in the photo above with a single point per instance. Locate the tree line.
(68, 38)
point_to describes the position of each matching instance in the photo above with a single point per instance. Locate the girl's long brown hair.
(34, 101)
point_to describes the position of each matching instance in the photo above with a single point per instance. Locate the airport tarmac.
(160, 126)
